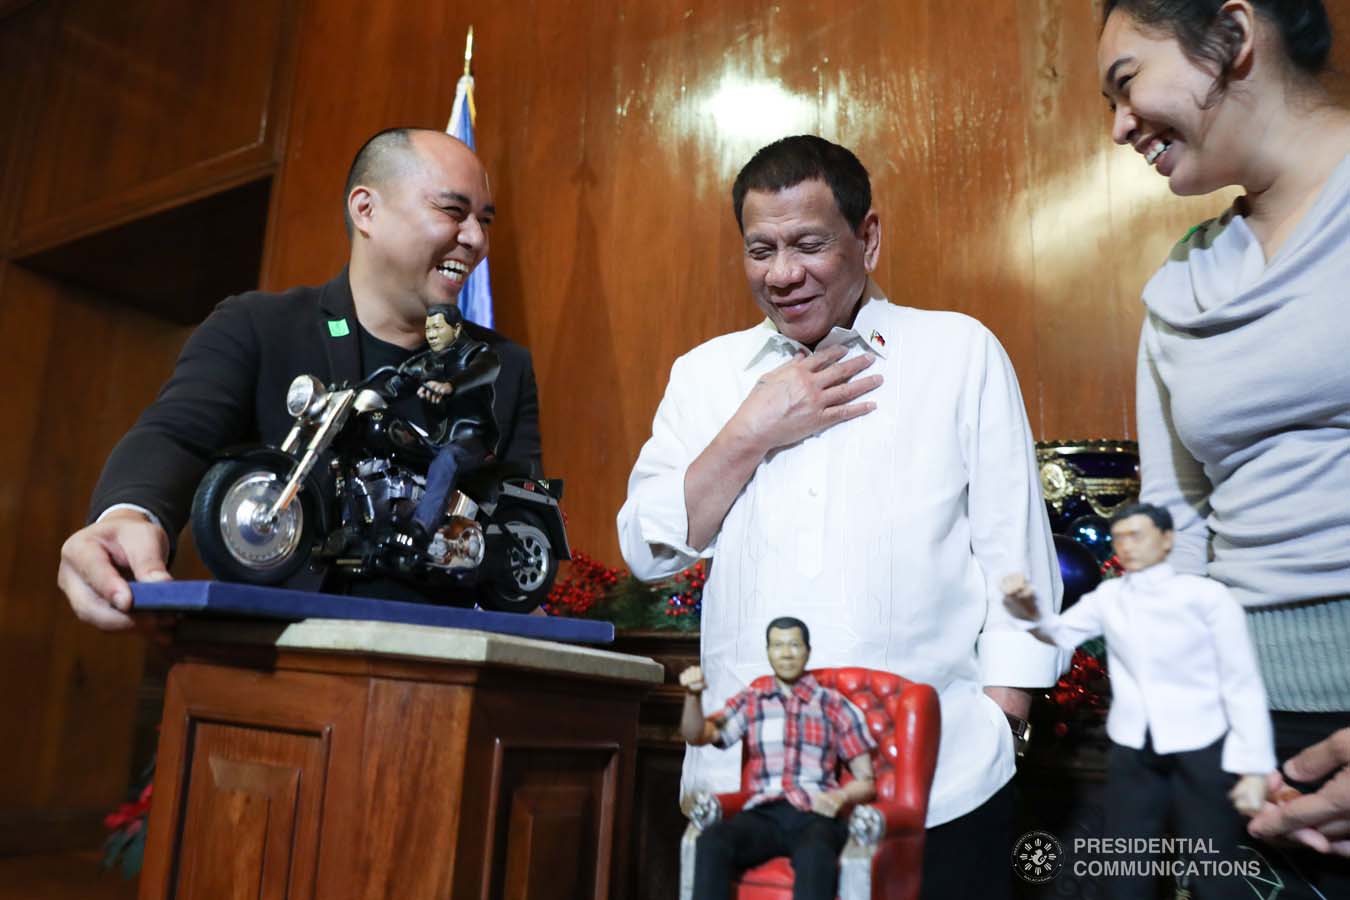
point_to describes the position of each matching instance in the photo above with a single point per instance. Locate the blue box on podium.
(223, 598)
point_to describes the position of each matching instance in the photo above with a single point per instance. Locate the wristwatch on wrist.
(1021, 732)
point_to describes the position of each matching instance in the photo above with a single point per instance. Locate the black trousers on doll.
(1146, 790)
(756, 835)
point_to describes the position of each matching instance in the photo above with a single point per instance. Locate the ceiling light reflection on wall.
(758, 111)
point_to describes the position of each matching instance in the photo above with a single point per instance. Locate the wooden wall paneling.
(11, 7)
(885, 111)
(1338, 81)
(91, 367)
(360, 67)
(176, 264)
(574, 225)
(25, 329)
(962, 255)
(35, 624)
(152, 103)
(25, 36)
(666, 81)
(1082, 345)
(26, 325)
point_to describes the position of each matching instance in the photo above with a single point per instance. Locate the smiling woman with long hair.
(1244, 360)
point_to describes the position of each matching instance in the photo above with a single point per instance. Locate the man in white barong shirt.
(865, 466)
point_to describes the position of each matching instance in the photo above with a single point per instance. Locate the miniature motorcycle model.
(338, 492)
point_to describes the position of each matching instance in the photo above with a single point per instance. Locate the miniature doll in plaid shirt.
(796, 732)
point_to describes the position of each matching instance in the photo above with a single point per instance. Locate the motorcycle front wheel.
(232, 535)
(520, 567)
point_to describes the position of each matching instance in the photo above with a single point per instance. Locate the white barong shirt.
(1181, 663)
(886, 534)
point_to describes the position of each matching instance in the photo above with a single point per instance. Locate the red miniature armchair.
(883, 859)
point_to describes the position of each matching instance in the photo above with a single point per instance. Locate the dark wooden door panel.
(243, 792)
(149, 103)
(253, 802)
(550, 829)
(552, 841)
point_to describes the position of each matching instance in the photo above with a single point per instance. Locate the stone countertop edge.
(429, 642)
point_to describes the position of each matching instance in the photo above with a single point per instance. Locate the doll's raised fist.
(692, 680)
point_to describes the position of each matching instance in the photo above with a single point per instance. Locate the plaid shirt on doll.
(792, 742)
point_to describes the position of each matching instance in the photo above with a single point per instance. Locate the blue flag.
(475, 298)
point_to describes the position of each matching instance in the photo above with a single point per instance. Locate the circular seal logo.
(1037, 857)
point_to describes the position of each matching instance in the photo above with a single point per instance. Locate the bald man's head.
(419, 209)
(384, 157)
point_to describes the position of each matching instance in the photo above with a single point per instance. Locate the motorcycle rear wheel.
(224, 523)
(520, 572)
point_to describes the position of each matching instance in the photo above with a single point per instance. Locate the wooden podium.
(375, 761)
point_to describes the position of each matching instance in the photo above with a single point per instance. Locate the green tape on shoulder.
(338, 328)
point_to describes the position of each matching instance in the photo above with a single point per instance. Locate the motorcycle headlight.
(305, 396)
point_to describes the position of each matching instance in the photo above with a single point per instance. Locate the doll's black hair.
(1160, 516)
(783, 623)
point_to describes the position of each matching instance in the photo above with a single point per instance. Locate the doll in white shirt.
(1189, 709)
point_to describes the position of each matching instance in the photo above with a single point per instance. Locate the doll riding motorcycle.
(358, 489)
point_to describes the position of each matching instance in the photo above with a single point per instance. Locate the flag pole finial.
(468, 53)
